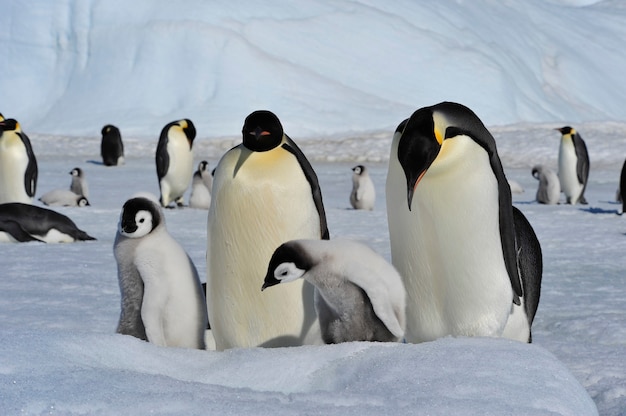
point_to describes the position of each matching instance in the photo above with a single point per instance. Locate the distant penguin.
(621, 192)
(18, 165)
(456, 239)
(25, 222)
(265, 192)
(573, 165)
(79, 182)
(174, 160)
(363, 195)
(200, 196)
(162, 299)
(63, 198)
(111, 146)
(549, 189)
(358, 296)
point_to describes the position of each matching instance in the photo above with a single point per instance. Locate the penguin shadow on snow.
(598, 210)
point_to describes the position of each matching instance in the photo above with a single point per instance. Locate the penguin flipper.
(30, 176)
(582, 160)
(162, 158)
(311, 177)
(530, 263)
(16, 231)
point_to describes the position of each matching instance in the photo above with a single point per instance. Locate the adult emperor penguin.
(162, 299)
(549, 188)
(174, 160)
(201, 182)
(111, 146)
(621, 191)
(79, 182)
(470, 262)
(573, 165)
(265, 192)
(363, 195)
(18, 165)
(25, 222)
(359, 296)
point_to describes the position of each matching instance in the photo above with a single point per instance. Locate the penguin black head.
(203, 166)
(358, 169)
(566, 130)
(78, 172)
(109, 128)
(262, 131)
(139, 217)
(289, 262)
(9, 124)
(83, 202)
(422, 136)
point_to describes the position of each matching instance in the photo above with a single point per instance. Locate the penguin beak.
(269, 281)
(259, 132)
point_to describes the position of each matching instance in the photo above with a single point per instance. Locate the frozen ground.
(60, 303)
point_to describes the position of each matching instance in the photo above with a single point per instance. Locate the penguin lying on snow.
(363, 195)
(18, 165)
(573, 165)
(25, 222)
(174, 160)
(470, 262)
(264, 193)
(162, 298)
(76, 196)
(358, 297)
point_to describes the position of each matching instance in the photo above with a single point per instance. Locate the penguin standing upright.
(174, 160)
(621, 191)
(573, 165)
(18, 165)
(455, 237)
(200, 196)
(111, 146)
(264, 193)
(363, 195)
(162, 299)
(358, 295)
(549, 188)
(79, 182)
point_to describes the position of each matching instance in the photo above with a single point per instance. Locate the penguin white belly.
(200, 196)
(363, 195)
(266, 203)
(6, 238)
(170, 309)
(448, 248)
(13, 163)
(55, 236)
(567, 172)
(178, 176)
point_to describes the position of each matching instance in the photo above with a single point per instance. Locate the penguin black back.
(111, 146)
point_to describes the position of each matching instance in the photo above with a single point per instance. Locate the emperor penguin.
(21, 222)
(111, 146)
(18, 165)
(621, 192)
(201, 182)
(359, 296)
(363, 195)
(265, 192)
(573, 165)
(161, 295)
(79, 182)
(549, 189)
(174, 160)
(470, 262)
(63, 198)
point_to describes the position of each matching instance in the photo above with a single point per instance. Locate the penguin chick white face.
(78, 172)
(139, 217)
(288, 263)
(262, 131)
(358, 169)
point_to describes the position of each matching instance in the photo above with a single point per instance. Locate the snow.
(341, 76)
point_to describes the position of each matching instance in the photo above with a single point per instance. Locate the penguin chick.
(174, 160)
(363, 195)
(79, 182)
(549, 189)
(200, 196)
(63, 198)
(162, 296)
(359, 296)
(111, 146)
(573, 165)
